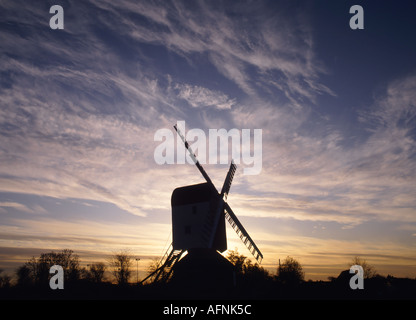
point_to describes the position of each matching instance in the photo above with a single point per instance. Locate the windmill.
(198, 221)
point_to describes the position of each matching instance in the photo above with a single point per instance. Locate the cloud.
(395, 109)
(325, 256)
(260, 50)
(81, 125)
(15, 205)
(92, 240)
(318, 177)
(199, 97)
(88, 117)
(77, 124)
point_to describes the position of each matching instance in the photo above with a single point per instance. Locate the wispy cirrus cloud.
(86, 117)
(14, 205)
(321, 178)
(199, 97)
(262, 51)
(78, 106)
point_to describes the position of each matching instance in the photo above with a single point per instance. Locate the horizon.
(80, 108)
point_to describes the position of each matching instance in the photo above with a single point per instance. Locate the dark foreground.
(378, 288)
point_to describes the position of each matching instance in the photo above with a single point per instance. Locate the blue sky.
(80, 107)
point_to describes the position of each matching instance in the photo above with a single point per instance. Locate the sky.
(80, 106)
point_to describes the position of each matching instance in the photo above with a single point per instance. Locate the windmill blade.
(228, 180)
(242, 233)
(223, 198)
(193, 156)
(230, 216)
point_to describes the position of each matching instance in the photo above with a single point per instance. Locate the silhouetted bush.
(290, 272)
(250, 276)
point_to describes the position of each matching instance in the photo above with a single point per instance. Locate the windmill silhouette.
(198, 222)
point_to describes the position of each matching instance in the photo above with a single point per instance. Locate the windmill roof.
(191, 194)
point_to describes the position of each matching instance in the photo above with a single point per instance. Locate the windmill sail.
(193, 156)
(223, 198)
(230, 216)
(242, 233)
(227, 183)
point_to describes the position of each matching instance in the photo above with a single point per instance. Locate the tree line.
(35, 272)
(252, 280)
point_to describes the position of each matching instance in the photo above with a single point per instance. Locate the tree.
(37, 269)
(369, 270)
(4, 280)
(254, 272)
(237, 260)
(121, 263)
(96, 272)
(246, 269)
(24, 276)
(290, 272)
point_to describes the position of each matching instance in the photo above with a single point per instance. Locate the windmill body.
(193, 217)
(193, 212)
(198, 229)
